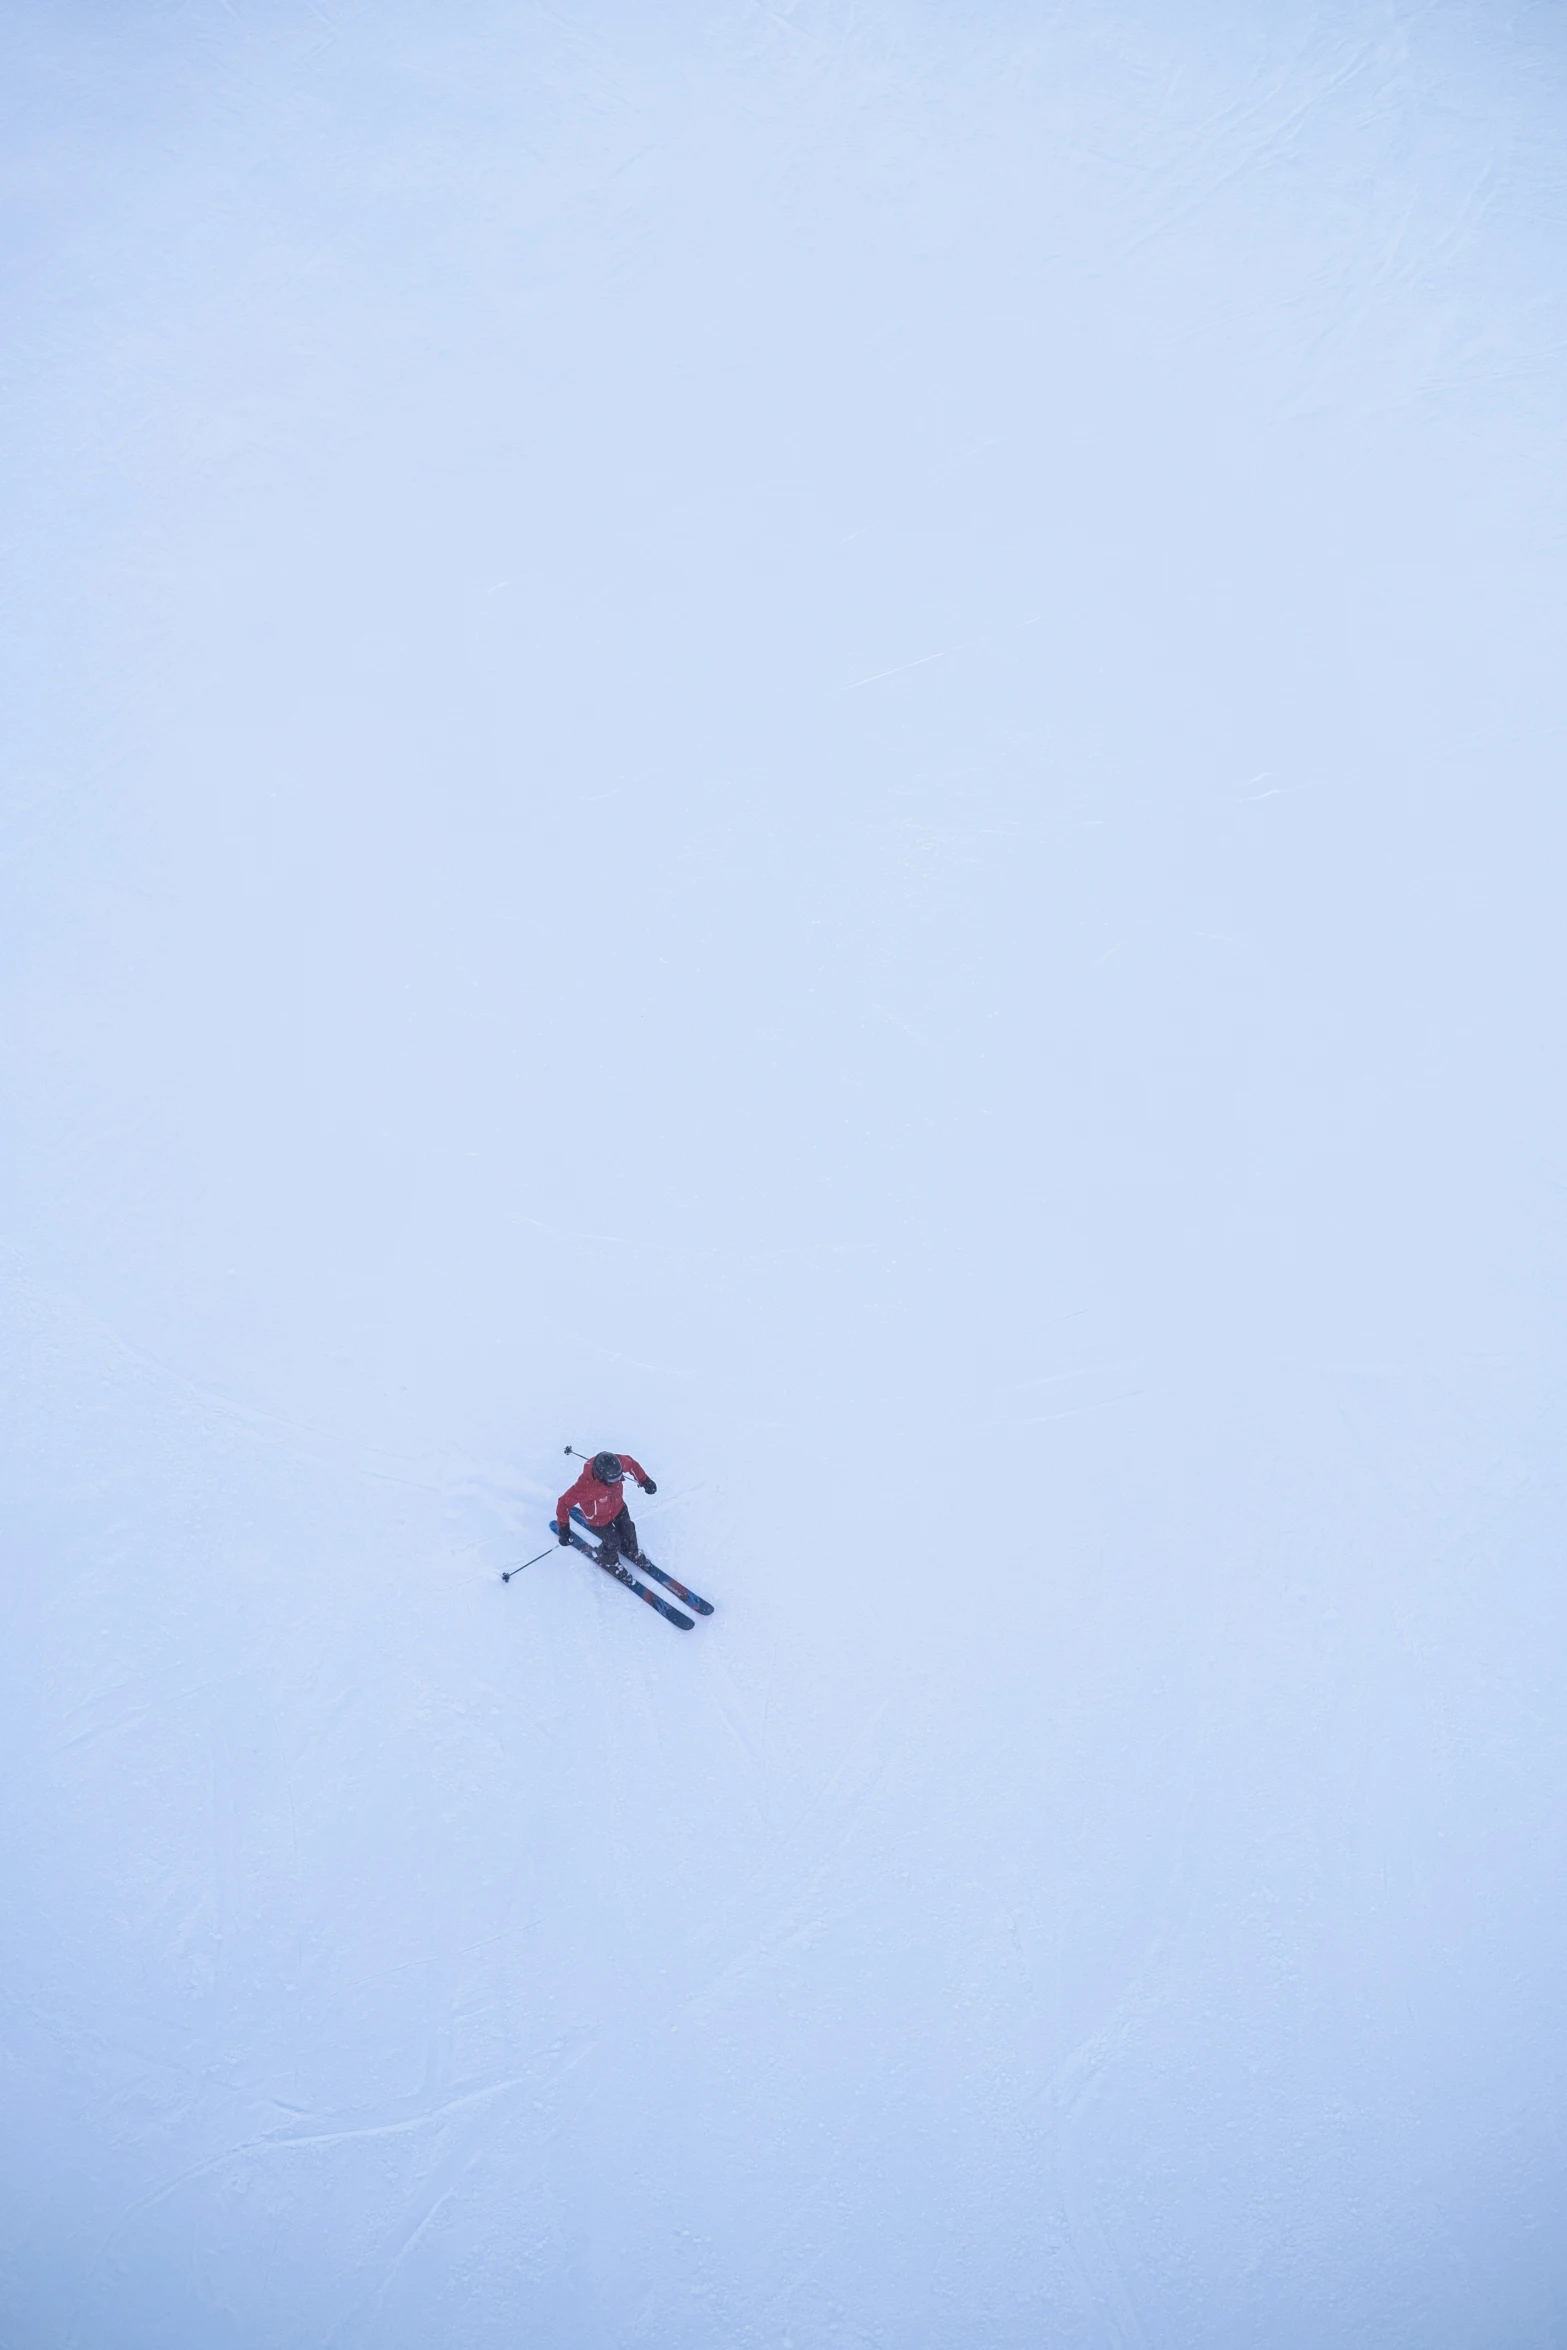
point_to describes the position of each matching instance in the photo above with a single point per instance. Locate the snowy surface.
(827, 739)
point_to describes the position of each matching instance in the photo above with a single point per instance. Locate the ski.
(671, 1615)
(704, 1607)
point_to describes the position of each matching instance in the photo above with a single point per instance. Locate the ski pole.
(533, 1562)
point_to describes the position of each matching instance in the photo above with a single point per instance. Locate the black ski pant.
(619, 1534)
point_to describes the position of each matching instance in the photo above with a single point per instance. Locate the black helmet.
(607, 1468)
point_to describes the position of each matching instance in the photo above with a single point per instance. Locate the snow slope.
(826, 739)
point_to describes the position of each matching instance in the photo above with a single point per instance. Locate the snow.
(824, 739)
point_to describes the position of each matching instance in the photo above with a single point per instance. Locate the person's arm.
(637, 1471)
(563, 1508)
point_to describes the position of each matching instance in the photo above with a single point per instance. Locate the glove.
(648, 1485)
(564, 1538)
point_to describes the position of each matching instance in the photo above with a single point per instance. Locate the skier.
(597, 1495)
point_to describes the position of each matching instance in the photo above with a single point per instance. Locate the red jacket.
(597, 1501)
